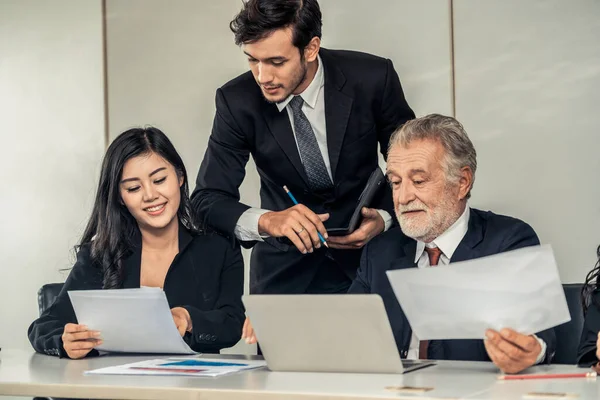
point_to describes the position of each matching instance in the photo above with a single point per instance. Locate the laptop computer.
(326, 333)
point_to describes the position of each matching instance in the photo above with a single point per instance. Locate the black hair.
(591, 285)
(259, 18)
(111, 228)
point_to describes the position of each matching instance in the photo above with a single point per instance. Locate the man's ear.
(465, 182)
(311, 51)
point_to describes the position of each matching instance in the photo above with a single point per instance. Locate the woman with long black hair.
(588, 353)
(142, 233)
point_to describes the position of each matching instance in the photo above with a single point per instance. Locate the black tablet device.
(375, 182)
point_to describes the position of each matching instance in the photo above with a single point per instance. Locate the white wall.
(51, 128)
(528, 93)
(414, 34)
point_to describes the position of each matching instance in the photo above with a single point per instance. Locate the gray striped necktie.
(311, 156)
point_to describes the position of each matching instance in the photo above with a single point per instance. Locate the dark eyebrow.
(137, 179)
(157, 170)
(278, 58)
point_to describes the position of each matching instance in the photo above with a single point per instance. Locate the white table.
(24, 373)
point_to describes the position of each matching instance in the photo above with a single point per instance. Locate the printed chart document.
(181, 366)
(130, 320)
(520, 289)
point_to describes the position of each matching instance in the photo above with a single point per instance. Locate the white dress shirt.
(246, 227)
(448, 242)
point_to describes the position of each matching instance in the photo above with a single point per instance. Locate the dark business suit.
(487, 234)
(364, 104)
(206, 278)
(586, 354)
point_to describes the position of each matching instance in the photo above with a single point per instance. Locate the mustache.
(414, 206)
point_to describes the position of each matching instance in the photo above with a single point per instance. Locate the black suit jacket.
(364, 104)
(487, 234)
(206, 278)
(586, 354)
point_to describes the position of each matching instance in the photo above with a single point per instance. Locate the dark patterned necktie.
(311, 156)
(434, 254)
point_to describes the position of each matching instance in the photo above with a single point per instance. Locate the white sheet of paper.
(181, 366)
(520, 289)
(130, 320)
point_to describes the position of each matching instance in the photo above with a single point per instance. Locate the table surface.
(24, 373)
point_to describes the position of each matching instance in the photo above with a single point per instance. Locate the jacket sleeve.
(45, 333)
(394, 112)
(362, 282)
(221, 327)
(216, 198)
(586, 353)
(522, 235)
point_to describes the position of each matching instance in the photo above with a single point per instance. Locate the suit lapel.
(132, 264)
(466, 248)
(338, 106)
(407, 258)
(281, 129)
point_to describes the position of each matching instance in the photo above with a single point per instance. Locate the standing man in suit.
(312, 120)
(431, 168)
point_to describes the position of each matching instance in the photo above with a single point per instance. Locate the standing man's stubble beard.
(302, 78)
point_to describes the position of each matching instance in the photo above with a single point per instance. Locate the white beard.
(430, 224)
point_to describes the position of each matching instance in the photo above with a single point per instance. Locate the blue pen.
(296, 203)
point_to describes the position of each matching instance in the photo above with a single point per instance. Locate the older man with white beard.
(431, 167)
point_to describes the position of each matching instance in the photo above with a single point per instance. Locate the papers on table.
(181, 366)
(519, 289)
(130, 320)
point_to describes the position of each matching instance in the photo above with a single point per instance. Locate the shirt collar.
(311, 93)
(450, 239)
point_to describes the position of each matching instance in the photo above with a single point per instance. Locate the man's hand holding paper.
(512, 351)
(522, 295)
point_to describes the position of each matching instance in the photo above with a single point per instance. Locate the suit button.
(213, 338)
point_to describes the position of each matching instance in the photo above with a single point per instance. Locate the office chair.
(47, 294)
(569, 334)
